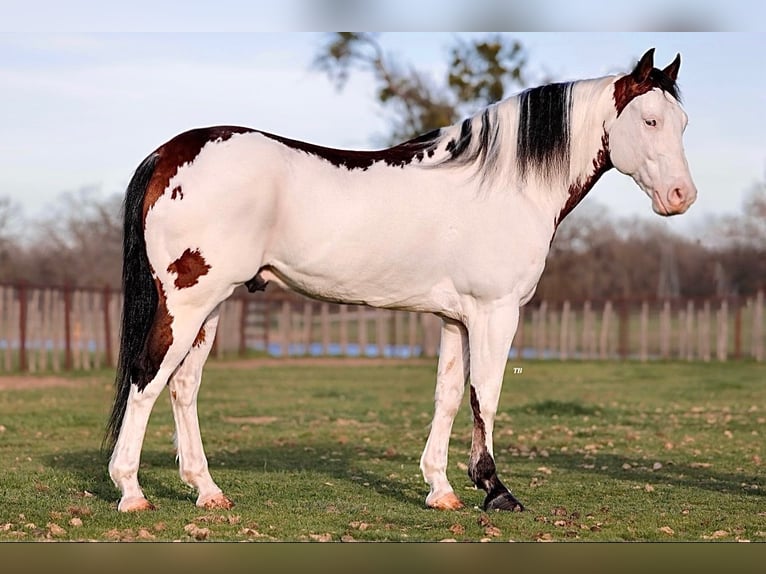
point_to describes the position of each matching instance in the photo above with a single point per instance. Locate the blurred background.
(80, 110)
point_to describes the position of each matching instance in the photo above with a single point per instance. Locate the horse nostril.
(676, 197)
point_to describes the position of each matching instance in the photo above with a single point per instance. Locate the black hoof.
(505, 501)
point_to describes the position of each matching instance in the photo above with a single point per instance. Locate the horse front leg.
(490, 334)
(451, 376)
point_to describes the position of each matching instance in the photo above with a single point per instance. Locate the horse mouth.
(661, 208)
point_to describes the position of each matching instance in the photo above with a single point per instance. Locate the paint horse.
(456, 222)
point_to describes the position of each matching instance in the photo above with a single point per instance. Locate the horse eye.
(651, 123)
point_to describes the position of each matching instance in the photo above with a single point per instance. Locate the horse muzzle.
(675, 200)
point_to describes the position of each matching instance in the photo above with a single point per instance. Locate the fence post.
(431, 333)
(46, 327)
(644, 343)
(588, 332)
(564, 335)
(757, 333)
(381, 327)
(362, 330)
(244, 305)
(554, 336)
(106, 301)
(722, 339)
(308, 325)
(343, 329)
(605, 327)
(22, 293)
(68, 328)
(266, 325)
(398, 342)
(737, 329)
(412, 332)
(689, 329)
(704, 332)
(6, 305)
(324, 315)
(665, 330)
(623, 328)
(33, 328)
(285, 319)
(541, 332)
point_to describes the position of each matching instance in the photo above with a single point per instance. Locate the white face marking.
(645, 142)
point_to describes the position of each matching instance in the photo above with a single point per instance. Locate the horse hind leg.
(169, 341)
(184, 387)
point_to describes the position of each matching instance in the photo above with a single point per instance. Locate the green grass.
(596, 451)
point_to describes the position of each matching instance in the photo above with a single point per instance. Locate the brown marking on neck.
(181, 150)
(177, 192)
(188, 268)
(579, 189)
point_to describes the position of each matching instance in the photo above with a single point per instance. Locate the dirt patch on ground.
(16, 382)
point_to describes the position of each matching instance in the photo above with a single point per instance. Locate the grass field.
(327, 451)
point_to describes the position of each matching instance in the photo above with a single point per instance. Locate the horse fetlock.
(198, 478)
(481, 469)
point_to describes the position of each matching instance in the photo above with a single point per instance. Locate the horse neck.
(591, 113)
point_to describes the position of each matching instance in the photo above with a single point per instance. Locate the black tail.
(139, 296)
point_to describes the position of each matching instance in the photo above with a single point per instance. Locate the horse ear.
(645, 64)
(672, 68)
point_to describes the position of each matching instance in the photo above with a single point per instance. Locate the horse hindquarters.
(165, 304)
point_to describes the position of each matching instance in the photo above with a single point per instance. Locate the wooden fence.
(54, 329)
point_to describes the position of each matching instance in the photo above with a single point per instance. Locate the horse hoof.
(505, 501)
(215, 501)
(137, 504)
(449, 501)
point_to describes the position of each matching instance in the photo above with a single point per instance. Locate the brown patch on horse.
(481, 466)
(157, 342)
(579, 189)
(199, 340)
(177, 192)
(182, 149)
(188, 268)
(479, 431)
(399, 155)
(644, 78)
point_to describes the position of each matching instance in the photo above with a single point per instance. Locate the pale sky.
(82, 109)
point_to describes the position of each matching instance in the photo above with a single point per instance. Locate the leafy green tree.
(481, 71)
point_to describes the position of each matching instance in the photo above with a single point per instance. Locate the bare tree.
(80, 243)
(10, 223)
(480, 73)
